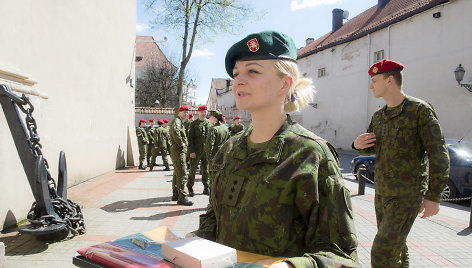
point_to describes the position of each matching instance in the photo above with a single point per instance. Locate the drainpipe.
(367, 119)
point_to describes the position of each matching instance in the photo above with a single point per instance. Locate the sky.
(301, 19)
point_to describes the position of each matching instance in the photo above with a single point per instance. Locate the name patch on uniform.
(233, 188)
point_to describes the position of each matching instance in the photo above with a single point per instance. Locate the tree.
(158, 81)
(193, 18)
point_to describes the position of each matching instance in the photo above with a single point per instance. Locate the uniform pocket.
(346, 227)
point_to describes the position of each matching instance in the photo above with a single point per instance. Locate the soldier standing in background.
(178, 151)
(236, 127)
(217, 135)
(160, 145)
(407, 139)
(150, 134)
(187, 128)
(142, 143)
(166, 128)
(196, 139)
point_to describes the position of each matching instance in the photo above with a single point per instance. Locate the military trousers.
(154, 154)
(199, 158)
(395, 217)
(142, 152)
(179, 178)
(149, 152)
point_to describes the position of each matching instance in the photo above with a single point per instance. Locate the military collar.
(397, 109)
(272, 152)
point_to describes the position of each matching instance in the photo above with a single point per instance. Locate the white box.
(198, 252)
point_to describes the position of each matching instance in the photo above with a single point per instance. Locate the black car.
(460, 174)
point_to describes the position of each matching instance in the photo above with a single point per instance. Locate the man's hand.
(365, 140)
(429, 207)
(193, 155)
(183, 145)
(282, 265)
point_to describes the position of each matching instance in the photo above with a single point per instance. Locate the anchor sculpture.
(51, 212)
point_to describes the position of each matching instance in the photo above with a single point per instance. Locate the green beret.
(261, 46)
(216, 114)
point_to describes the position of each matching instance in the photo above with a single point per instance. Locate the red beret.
(142, 121)
(160, 121)
(202, 108)
(151, 120)
(237, 117)
(183, 108)
(384, 65)
(165, 121)
(223, 115)
(190, 116)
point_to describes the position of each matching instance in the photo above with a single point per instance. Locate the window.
(321, 72)
(379, 55)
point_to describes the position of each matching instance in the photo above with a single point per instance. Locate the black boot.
(175, 195)
(206, 190)
(190, 192)
(150, 168)
(184, 201)
(141, 166)
(166, 169)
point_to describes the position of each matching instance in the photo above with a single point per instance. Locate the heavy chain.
(69, 212)
(442, 199)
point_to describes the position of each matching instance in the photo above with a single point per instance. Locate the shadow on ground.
(126, 205)
(164, 215)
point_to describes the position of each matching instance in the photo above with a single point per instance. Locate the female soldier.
(278, 189)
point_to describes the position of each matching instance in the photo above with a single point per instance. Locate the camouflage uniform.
(178, 156)
(187, 128)
(408, 136)
(217, 135)
(197, 136)
(286, 199)
(142, 144)
(160, 140)
(150, 148)
(235, 129)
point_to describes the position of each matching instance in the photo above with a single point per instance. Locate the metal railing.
(361, 190)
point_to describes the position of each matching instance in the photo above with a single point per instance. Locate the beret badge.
(375, 70)
(253, 45)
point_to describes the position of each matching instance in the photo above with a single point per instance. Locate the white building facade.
(431, 38)
(76, 61)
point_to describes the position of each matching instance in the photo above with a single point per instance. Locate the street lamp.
(459, 73)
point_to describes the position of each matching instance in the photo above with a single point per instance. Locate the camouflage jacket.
(235, 129)
(177, 133)
(141, 135)
(411, 154)
(286, 200)
(217, 135)
(197, 135)
(150, 133)
(160, 137)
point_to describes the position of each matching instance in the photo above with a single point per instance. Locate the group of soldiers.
(190, 143)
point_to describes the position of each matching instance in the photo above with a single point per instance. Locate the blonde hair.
(302, 88)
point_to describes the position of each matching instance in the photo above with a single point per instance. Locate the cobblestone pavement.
(129, 201)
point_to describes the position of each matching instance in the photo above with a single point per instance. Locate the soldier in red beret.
(406, 137)
(143, 141)
(236, 127)
(160, 145)
(197, 135)
(178, 151)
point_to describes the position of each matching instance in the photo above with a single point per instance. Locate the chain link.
(442, 199)
(69, 212)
